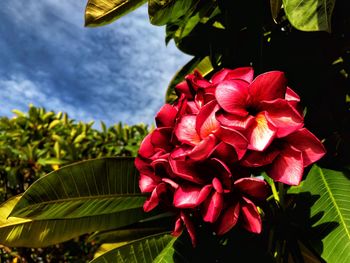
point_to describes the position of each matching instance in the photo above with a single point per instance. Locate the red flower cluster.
(201, 158)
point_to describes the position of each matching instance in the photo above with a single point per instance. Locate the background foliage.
(35, 143)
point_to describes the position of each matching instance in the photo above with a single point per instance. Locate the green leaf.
(162, 12)
(202, 65)
(310, 15)
(84, 189)
(144, 250)
(333, 206)
(19, 232)
(102, 12)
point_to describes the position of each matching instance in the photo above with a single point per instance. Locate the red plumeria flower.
(287, 157)
(238, 204)
(258, 108)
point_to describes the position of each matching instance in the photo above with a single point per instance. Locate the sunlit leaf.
(88, 188)
(145, 250)
(332, 206)
(102, 12)
(310, 15)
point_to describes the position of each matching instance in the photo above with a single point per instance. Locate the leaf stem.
(274, 192)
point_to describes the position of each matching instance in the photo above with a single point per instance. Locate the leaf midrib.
(335, 203)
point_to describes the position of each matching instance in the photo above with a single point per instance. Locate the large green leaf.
(20, 232)
(332, 206)
(202, 65)
(84, 189)
(162, 12)
(310, 15)
(102, 12)
(144, 250)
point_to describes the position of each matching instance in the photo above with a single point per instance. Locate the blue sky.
(113, 73)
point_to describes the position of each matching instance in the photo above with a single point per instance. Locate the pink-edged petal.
(154, 199)
(186, 132)
(190, 228)
(288, 167)
(187, 170)
(221, 169)
(291, 95)
(148, 183)
(235, 139)
(244, 73)
(228, 219)
(225, 152)
(283, 116)
(268, 86)
(189, 196)
(161, 139)
(217, 185)
(178, 227)
(250, 215)
(184, 89)
(206, 122)
(233, 121)
(258, 159)
(212, 207)
(166, 116)
(310, 146)
(170, 183)
(232, 96)
(252, 187)
(204, 149)
(261, 133)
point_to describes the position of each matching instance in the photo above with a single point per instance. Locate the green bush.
(35, 143)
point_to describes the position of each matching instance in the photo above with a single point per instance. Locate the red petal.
(228, 219)
(178, 227)
(288, 167)
(154, 199)
(203, 149)
(196, 81)
(206, 122)
(235, 139)
(250, 216)
(186, 132)
(143, 166)
(310, 146)
(291, 95)
(190, 228)
(161, 138)
(212, 207)
(225, 152)
(233, 121)
(217, 185)
(187, 170)
(146, 149)
(253, 187)
(166, 116)
(232, 96)
(268, 86)
(258, 159)
(148, 183)
(283, 116)
(244, 73)
(261, 133)
(183, 88)
(188, 196)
